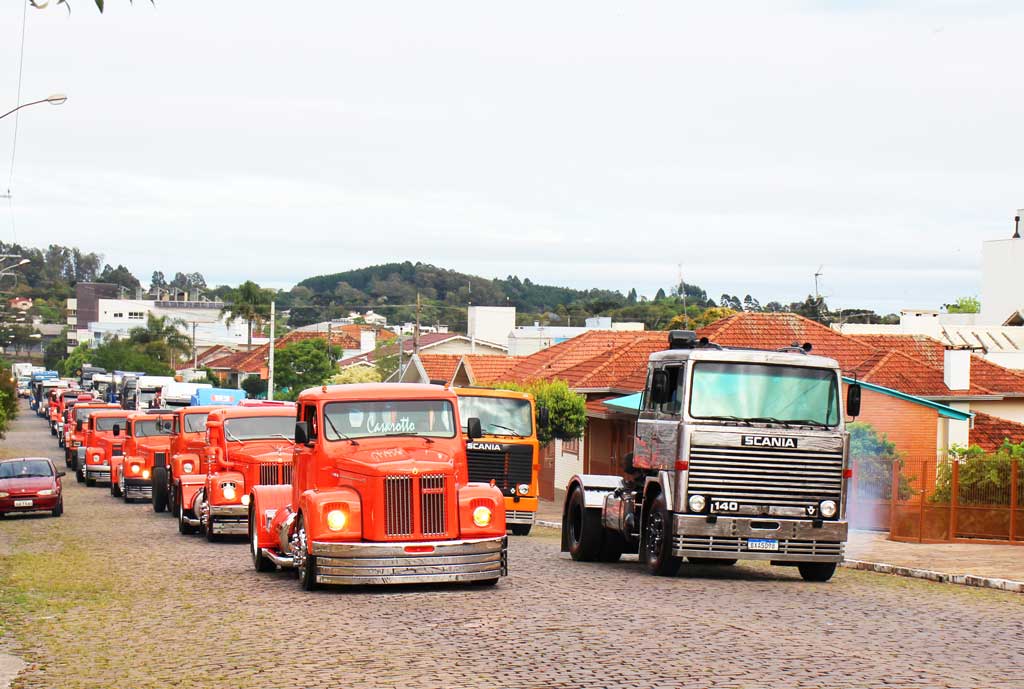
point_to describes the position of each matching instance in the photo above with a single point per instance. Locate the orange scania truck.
(508, 452)
(380, 493)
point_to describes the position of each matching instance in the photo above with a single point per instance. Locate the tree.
(730, 301)
(355, 374)
(120, 276)
(872, 456)
(54, 352)
(964, 305)
(255, 387)
(567, 410)
(301, 365)
(162, 339)
(250, 303)
(79, 357)
(660, 295)
(751, 305)
(631, 297)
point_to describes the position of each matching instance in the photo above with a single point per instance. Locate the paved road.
(120, 599)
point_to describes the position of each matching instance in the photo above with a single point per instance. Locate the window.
(118, 315)
(676, 380)
(380, 419)
(309, 416)
(571, 447)
(135, 315)
(766, 393)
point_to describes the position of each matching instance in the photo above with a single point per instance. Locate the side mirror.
(660, 394)
(79, 425)
(543, 417)
(301, 433)
(473, 429)
(61, 473)
(853, 400)
(165, 426)
(117, 430)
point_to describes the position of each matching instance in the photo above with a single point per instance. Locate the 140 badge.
(725, 506)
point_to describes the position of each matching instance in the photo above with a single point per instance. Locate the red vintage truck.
(99, 445)
(380, 493)
(247, 446)
(62, 399)
(66, 404)
(75, 427)
(181, 473)
(145, 434)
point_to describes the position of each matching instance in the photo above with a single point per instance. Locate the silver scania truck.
(738, 454)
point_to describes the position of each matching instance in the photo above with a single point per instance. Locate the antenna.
(1016, 227)
(818, 274)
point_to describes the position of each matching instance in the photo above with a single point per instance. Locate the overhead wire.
(14, 141)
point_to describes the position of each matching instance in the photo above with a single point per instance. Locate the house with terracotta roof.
(457, 369)
(432, 343)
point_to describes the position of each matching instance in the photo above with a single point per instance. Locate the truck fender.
(594, 487)
(314, 506)
(214, 482)
(264, 504)
(663, 483)
(473, 495)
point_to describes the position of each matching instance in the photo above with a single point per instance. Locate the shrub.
(567, 410)
(983, 477)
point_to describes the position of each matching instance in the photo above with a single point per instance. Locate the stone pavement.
(990, 566)
(110, 595)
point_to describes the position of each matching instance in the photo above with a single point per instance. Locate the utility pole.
(270, 363)
(416, 328)
(195, 352)
(818, 274)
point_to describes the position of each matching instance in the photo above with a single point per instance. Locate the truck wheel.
(183, 526)
(584, 532)
(817, 571)
(657, 552)
(159, 489)
(172, 500)
(259, 561)
(305, 561)
(90, 482)
(79, 472)
(67, 457)
(115, 485)
(520, 529)
(211, 535)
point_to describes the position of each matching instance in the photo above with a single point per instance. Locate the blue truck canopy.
(217, 396)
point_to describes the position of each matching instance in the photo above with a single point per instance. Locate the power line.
(17, 115)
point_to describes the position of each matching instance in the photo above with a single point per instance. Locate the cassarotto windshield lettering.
(769, 441)
(403, 425)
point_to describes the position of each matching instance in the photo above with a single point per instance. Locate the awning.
(629, 404)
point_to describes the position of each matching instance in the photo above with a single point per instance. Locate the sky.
(587, 144)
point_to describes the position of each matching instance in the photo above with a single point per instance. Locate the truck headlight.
(228, 489)
(697, 503)
(145, 473)
(524, 488)
(336, 520)
(187, 467)
(245, 500)
(828, 508)
(95, 458)
(135, 468)
(482, 516)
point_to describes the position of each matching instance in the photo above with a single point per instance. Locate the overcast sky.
(575, 143)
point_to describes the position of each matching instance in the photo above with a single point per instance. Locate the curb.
(910, 572)
(941, 577)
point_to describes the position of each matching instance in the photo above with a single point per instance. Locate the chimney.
(1016, 226)
(956, 372)
(367, 341)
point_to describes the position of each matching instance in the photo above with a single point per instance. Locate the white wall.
(491, 323)
(1002, 265)
(567, 465)
(1010, 409)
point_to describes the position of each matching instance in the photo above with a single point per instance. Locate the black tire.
(710, 561)
(260, 562)
(657, 551)
(183, 527)
(59, 509)
(208, 532)
(583, 531)
(520, 529)
(79, 472)
(90, 482)
(115, 486)
(172, 501)
(159, 489)
(68, 457)
(482, 583)
(53, 429)
(817, 571)
(307, 566)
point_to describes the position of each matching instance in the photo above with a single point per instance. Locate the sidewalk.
(989, 566)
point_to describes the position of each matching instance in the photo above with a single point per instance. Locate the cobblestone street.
(110, 595)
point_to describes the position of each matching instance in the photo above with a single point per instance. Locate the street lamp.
(55, 99)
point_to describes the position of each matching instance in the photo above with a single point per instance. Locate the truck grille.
(508, 469)
(273, 474)
(400, 504)
(117, 451)
(765, 476)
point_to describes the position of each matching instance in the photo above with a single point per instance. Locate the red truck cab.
(380, 493)
(180, 473)
(99, 445)
(65, 403)
(247, 446)
(75, 427)
(146, 433)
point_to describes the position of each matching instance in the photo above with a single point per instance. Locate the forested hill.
(400, 282)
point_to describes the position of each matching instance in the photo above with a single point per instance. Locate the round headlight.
(229, 491)
(828, 508)
(697, 503)
(95, 458)
(245, 499)
(336, 520)
(187, 467)
(482, 516)
(524, 488)
(135, 468)
(145, 473)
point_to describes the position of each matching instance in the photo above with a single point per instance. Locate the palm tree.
(249, 302)
(162, 336)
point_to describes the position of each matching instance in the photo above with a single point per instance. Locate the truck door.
(642, 442)
(304, 453)
(665, 440)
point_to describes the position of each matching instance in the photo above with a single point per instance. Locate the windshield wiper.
(406, 435)
(231, 436)
(727, 418)
(808, 422)
(510, 430)
(768, 419)
(337, 432)
(282, 436)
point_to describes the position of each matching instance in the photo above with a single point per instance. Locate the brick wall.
(912, 427)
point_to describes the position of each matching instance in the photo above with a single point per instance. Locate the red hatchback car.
(30, 484)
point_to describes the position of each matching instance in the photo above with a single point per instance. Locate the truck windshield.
(107, 423)
(762, 392)
(152, 427)
(498, 415)
(256, 427)
(83, 413)
(145, 397)
(425, 418)
(196, 423)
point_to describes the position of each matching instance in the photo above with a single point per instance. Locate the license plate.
(23, 503)
(762, 544)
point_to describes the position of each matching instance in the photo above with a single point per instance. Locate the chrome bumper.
(98, 472)
(519, 517)
(389, 563)
(138, 488)
(728, 537)
(230, 520)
